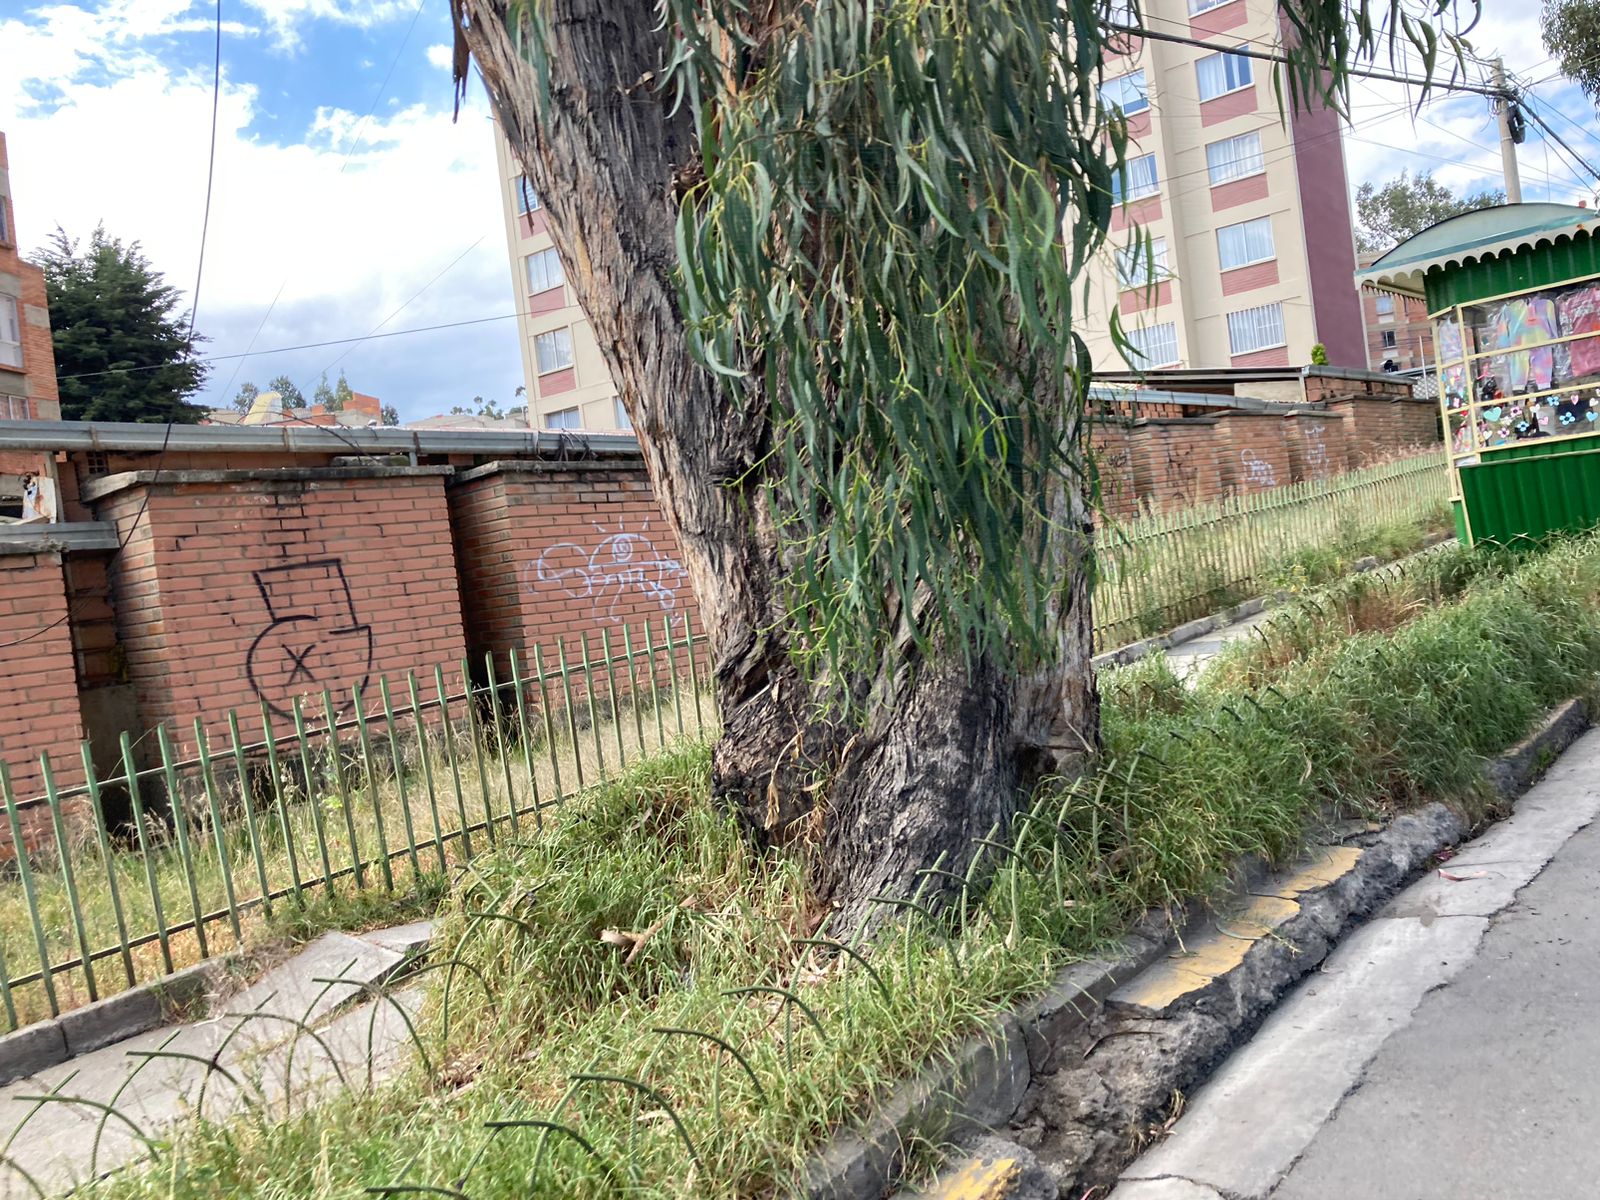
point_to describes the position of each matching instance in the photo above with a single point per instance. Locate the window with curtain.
(1222, 73)
(1255, 329)
(527, 199)
(565, 418)
(1234, 158)
(544, 271)
(1245, 243)
(553, 350)
(1126, 94)
(1383, 303)
(1136, 180)
(1154, 346)
(10, 334)
(1136, 268)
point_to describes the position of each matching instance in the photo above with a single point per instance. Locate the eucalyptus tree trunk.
(944, 748)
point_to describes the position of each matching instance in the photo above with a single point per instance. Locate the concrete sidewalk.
(1446, 1051)
(302, 1029)
(1188, 659)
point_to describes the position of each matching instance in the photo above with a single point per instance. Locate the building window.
(1155, 346)
(1136, 180)
(553, 350)
(527, 199)
(5, 221)
(1234, 158)
(10, 334)
(621, 412)
(1138, 265)
(1388, 339)
(1222, 73)
(564, 418)
(1255, 329)
(1126, 94)
(544, 271)
(1383, 305)
(1245, 243)
(1196, 7)
(13, 408)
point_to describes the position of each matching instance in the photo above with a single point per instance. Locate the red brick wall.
(1379, 426)
(238, 587)
(1108, 442)
(1318, 445)
(38, 670)
(1175, 462)
(551, 553)
(38, 352)
(1253, 451)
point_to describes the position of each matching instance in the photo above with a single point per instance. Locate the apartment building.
(1398, 329)
(568, 384)
(27, 356)
(1251, 250)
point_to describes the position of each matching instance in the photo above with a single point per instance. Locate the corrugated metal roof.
(1482, 233)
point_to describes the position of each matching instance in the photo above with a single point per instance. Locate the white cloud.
(286, 17)
(349, 236)
(440, 56)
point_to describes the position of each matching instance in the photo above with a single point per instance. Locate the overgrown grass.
(329, 829)
(1191, 781)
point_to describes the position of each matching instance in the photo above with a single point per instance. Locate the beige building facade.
(568, 384)
(1251, 249)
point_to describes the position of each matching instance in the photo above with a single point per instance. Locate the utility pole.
(1505, 109)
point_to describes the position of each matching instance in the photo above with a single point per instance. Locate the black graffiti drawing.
(314, 638)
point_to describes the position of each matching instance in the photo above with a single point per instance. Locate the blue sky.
(327, 223)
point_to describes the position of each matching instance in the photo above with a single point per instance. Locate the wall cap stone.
(544, 466)
(109, 485)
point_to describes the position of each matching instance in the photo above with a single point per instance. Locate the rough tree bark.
(941, 758)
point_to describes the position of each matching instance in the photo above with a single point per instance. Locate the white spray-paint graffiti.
(619, 565)
(1258, 472)
(1316, 451)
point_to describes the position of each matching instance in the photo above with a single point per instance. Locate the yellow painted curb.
(979, 1179)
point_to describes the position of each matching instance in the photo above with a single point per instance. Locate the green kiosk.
(1514, 296)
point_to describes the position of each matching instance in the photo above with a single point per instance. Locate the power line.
(1556, 138)
(1283, 60)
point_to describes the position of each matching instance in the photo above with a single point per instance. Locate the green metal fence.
(176, 857)
(1156, 572)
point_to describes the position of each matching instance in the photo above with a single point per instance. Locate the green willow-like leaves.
(876, 252)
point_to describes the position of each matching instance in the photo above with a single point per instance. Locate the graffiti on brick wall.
(1316, 452)
(313, 638)
(620, 566)
(1183, 476)
(1258, 472)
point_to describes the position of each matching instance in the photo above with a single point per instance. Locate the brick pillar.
(1177, 463)
(36, 664)
(1108, 442)
(1253, 451)
(1317, 444)
(246, 585)
(554, 553)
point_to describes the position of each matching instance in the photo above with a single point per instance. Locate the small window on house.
(1126, 94)
(1154, 346)
(1255, 329)
(1388, 339)
(564, 418)
(1136, 180)
(1234, 158)
(553, 350)
(527, 199)
(620, 412)
(13, 408)
(10, 334)
(1383, 305)
(1136, 268)
(1219, 74)
(544, 271)
(1245, 243)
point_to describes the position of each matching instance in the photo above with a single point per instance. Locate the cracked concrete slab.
(1245, 1130)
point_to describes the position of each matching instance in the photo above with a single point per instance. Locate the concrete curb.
(1122, 656)
(80, 1030)
(966, 1092)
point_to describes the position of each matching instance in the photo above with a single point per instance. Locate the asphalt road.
(1448, 1050)
(1493, 1089)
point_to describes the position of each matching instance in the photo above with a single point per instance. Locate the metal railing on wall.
(134, 875)
(1160, 570)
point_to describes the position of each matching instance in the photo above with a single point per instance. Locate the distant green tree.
(391, 415)
(334, 397)
(246, 397)
(120, 334)
(1571, 31)
(1388, 214)
(293, 397)
(486, 408)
